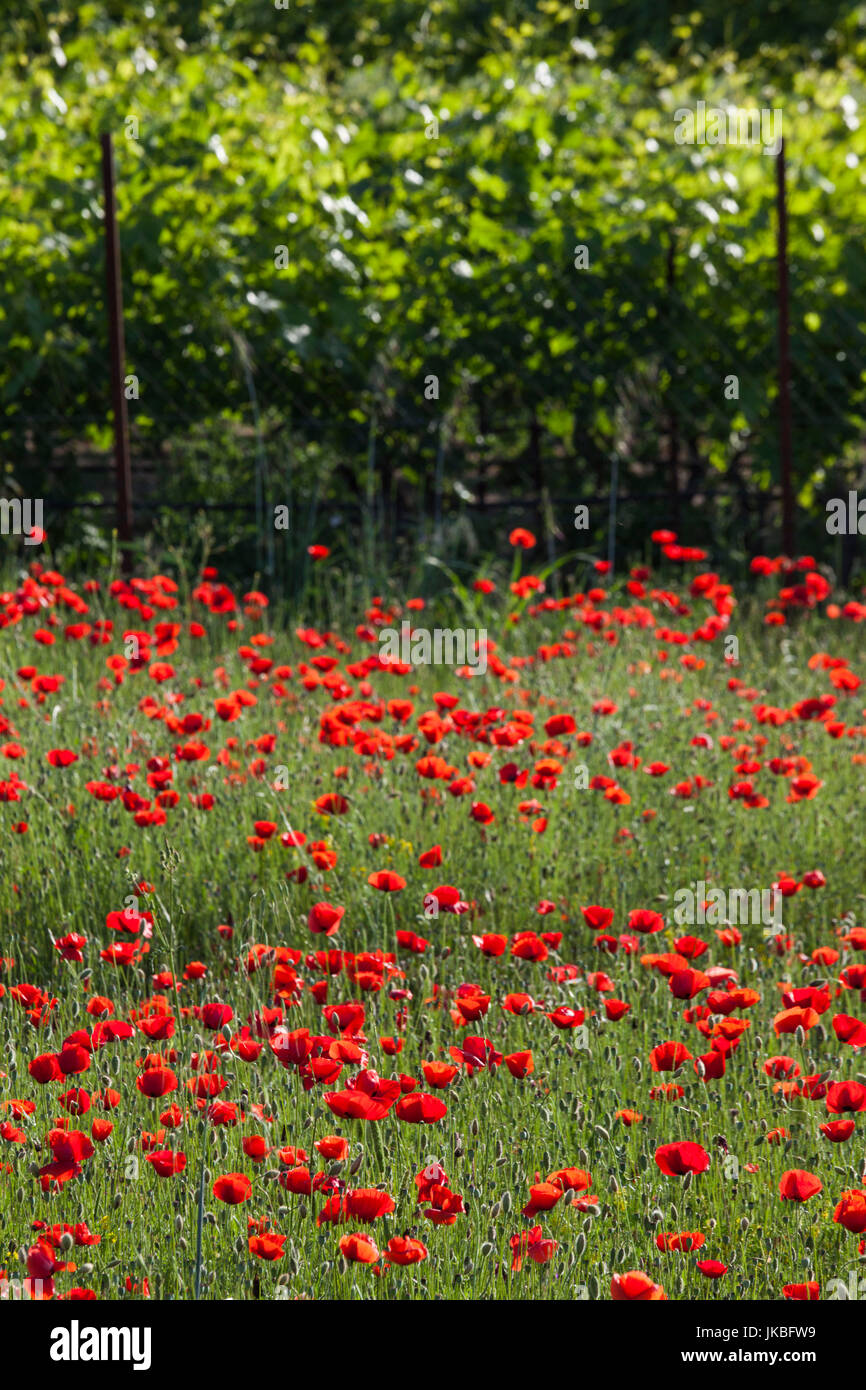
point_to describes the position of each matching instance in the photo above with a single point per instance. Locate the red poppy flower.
(644, 920)
(599, 918)
(522, 538)
(418, 1108)
(166, 1162)
(386, 881)
(677, 1159)
(680, 1240)
(404, 1250)
(520, 1064)
(359, 1249)
(61, 757)
(157, 1081)
(333, 1147)
(846, 1096)
(798, 1186)
(635, 1287)
(851, 1211)
(232, 1188)
(669, 1056)
(837, 1131)
(268, 1246)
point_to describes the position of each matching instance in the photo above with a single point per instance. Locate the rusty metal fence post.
(117, 352)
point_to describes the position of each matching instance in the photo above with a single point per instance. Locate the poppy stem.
(200, 1220)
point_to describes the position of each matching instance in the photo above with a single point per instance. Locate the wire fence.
(666, 411)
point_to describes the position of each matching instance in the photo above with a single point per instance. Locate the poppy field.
(329, 976)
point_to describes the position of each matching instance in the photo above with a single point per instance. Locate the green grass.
(66, 873)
